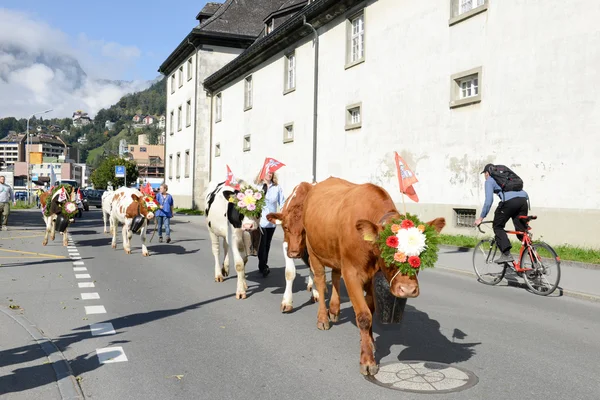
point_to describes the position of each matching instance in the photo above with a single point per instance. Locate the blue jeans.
(167, 222)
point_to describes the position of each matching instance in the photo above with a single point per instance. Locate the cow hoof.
(369, 369)
(219, 278)
(323, 326)
(334, 317)
(286, 308)
(146, 254)
(308, 288)
(114, 246)
(45, 242)
(225, 272)
(240, 296)
(127, 251)
(52, 237)
(314, 298)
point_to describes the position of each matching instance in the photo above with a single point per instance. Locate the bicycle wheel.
(544, 276)
(486, 269)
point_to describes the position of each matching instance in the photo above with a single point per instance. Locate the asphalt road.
(186, 337)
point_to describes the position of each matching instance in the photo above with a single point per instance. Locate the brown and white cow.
(127, 204)
(107, 200)
(223, 220)
(294, 244)
(342, 221)
(55, 209)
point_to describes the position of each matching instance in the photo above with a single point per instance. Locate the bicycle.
(535, 276)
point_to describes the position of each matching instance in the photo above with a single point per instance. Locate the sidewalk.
(31, 366)
(25, 370)
(577, 279)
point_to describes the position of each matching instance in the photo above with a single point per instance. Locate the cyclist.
(512, 205)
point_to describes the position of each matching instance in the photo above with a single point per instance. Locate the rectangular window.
(270, 26)
(143, 150)
(190, 73)
(463, 9)
(246, 143)
(171, 166)
(219, 107)
(248, 93)
(173, 83)
(186, 169)
(188, 113)
(179, 118)
(218, 150)
(288, 133)
(178, 166)
(464, 217)
(172, 122)
(465, 88)
(355, 46)
(290, 73)
(354, 116)
(181, 76)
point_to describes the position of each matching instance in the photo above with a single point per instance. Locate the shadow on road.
(22, 379)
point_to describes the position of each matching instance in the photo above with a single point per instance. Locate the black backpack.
(506, 178)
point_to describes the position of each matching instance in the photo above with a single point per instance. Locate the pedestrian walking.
(165, 212)
(7, 196)
(274, 198)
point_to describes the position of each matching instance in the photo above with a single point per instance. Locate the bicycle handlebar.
(484, 222)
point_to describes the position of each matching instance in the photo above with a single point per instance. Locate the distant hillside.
(151, 101)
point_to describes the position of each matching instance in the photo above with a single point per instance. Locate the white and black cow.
(225, 221)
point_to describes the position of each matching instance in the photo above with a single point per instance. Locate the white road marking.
(74, 254)
(77, 269)
(78, 263)
(102, 329)
(111, 355)
(82, 276)
(90, 296)
(75, 258)
(86, 285)
(95, 310)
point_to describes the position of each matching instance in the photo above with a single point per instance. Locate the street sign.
(120, 171)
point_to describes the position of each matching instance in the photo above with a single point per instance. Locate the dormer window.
(270, 26)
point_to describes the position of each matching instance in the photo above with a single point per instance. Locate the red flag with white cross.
(270, 165)
(406, 178)
(232, 180)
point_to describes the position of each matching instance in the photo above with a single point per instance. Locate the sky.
(116, 40)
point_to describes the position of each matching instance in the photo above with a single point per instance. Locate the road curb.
(67, 384)
(565, 292)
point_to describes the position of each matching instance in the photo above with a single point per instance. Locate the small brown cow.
(341, 222)
(294, 245)
(54, 204)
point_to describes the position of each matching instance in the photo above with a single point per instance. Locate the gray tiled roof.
(241, 17)
(210, 8)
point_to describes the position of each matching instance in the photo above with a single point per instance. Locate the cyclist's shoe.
(505, 258)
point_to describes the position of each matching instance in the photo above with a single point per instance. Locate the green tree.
(106, 172)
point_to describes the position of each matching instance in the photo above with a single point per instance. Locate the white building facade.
(450, 88)
(224, 31)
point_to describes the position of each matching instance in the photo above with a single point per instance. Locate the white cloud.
(41, 67)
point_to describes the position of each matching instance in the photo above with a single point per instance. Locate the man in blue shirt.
(512, 205)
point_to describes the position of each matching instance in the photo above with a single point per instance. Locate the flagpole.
(403, 203)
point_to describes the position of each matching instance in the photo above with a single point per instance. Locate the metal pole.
(28, 153)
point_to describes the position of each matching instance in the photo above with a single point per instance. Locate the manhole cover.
(423, 377)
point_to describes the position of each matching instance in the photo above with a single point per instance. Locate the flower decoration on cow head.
(249, 201)
(409, 245)
(151, 203)
(69, 209)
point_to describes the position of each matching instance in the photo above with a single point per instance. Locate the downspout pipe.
(315, 100)
(210, 137)
(193, 163)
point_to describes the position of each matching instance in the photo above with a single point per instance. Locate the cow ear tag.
(368, 237)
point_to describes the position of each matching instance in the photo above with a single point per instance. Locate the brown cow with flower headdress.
(58, 201)
(343, 224)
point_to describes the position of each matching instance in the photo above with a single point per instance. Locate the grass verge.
(188, 211)
(22, 205)
(565, 252)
